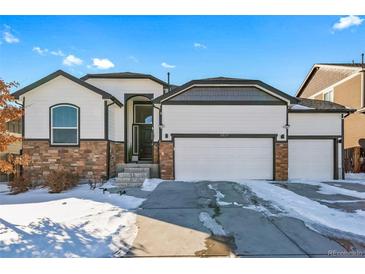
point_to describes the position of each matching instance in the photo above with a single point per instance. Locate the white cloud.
(57, 53)
(9, 37)
(102, 63)
(348, 21)
(165, 65)
(39, 50)
(72, 60)
(199, 46)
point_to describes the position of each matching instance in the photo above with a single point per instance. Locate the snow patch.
(296, 106)
(340, 201)
(77, 223)
(331, 190)
(311, 212)
(151, 184)
(219, 196)
(4, 187)
(356, 176)
(211, 224)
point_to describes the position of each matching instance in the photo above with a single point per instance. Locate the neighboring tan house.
(216, 129)
(343, 84)
(14, 127)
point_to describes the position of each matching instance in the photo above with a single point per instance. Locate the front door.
(145, 142)
(143, 130)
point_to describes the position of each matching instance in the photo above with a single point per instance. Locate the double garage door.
(223, 158)
(250, 158)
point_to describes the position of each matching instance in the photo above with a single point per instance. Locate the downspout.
(362, 72)
(106, 136)
(343, 143)
(159, 134)
(23, 131)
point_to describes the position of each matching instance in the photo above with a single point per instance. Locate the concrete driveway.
(193, 219)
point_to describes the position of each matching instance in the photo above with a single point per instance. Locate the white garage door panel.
(223, 158)
(311, 159)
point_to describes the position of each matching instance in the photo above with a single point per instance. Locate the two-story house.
(343, 84)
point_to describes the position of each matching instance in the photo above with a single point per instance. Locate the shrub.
(58, 181)
(19, 184)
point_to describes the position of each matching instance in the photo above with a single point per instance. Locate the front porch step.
(133, 175)
(154, 168)
(129, 185)
(137, 170)
(129, 182)
(142, 175)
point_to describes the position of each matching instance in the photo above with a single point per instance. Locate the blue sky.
(278, 50)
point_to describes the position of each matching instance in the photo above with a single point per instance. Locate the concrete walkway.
(169, 225)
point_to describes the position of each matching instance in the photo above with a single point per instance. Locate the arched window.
(64, 125)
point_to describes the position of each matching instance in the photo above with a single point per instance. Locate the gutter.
(347, 111)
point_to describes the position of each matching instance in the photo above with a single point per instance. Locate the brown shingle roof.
(356, 65)
(322, 77)
(313, 105)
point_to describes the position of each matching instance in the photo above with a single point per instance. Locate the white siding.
(223, 119)
(315, 124)
(116, 123)
(62, 90)
(119, 87)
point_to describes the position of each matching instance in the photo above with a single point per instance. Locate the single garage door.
(311, 159)
(223, 158)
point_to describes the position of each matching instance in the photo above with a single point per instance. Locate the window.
(14, 126)
(64, 125)
(328, 96)
(143, 114)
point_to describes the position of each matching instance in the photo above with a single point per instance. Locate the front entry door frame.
(127, 97)
(142, 150)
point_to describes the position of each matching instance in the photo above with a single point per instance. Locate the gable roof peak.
(123, 75)
(224, 81)
(104, 94)
(221, 78)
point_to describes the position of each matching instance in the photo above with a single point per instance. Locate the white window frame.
(135, 142)
(331, 95)
(77, 126)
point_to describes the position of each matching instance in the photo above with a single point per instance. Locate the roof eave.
(167, 96)
(102, 93)
(321, 110)
(150, 77)
(306, 79)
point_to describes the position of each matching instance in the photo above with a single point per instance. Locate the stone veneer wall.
(116, 157)
(89, 159)
(281, 161)
(166, 153)
(155, 154)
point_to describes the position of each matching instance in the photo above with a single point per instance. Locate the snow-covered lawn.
(356, 176)
(76, 223)
(314, 214)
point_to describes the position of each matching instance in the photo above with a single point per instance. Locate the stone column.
(281, 161)
(166, 152)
